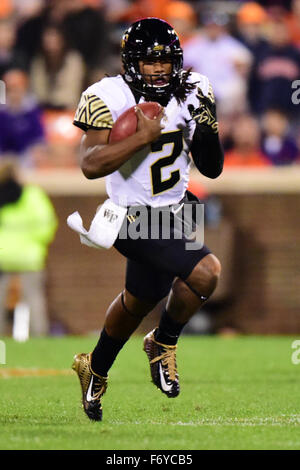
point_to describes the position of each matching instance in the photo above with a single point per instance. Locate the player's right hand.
(150, 128)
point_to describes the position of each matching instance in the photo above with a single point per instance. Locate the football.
(126, 124)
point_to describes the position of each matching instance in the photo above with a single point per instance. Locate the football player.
(150, 169)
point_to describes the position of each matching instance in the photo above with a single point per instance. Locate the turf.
(237, 393)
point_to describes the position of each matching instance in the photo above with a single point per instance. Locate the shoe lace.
(168, 360)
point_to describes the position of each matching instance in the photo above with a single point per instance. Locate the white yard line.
(282, 420)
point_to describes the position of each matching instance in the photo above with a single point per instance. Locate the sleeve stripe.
(101, 109)
(80, 113)
(92, 100)
(94, 107)
(100, 117)
(93, 112)
(85, 128)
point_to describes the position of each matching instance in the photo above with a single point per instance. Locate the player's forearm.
(102, 160)
(207, 153)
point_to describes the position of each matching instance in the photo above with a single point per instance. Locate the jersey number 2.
(158, 184)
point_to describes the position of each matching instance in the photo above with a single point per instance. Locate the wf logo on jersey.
(110, 216)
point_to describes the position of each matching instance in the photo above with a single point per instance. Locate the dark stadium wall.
(257, 242)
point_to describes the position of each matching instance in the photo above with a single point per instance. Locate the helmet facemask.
(133, 52)
(156, 77)
(148, 84)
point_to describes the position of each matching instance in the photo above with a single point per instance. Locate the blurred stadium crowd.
(51, 50)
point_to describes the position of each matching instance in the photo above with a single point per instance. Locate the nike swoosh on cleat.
(89, 397)
(164, 385)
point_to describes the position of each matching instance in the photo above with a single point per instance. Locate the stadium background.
(254, 210)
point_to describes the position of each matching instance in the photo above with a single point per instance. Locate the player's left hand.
(205, 115)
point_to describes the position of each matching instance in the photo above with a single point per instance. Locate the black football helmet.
(146, 39)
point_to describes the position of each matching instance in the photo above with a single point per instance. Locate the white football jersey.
(158, 174)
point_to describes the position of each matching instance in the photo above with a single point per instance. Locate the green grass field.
(236, 393)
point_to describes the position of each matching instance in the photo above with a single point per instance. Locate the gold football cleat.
(163, 367)
(93, 386)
